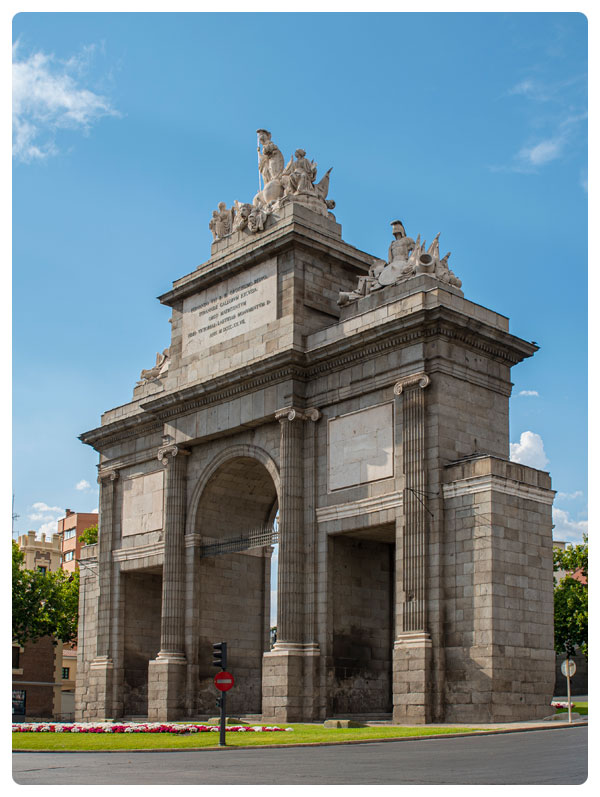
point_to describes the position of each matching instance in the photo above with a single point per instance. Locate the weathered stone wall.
(141, 635)
(362, 598)
(498, 587)
(85, 702)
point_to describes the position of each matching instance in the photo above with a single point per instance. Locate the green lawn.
(580, 708)
(148, 741)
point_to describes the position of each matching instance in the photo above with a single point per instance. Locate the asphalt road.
(556, 756)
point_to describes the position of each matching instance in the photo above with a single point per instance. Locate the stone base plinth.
(100, 690)
(166, 687)
(411, 680)
(290, 688)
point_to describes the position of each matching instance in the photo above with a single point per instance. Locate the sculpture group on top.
(278, 185)
(406, 258)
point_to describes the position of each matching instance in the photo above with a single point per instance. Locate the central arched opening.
(234, 604)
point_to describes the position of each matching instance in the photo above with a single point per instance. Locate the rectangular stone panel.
(233, 307)
(360, 447)
(143, 498)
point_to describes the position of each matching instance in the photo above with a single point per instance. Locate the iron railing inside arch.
(255, 538)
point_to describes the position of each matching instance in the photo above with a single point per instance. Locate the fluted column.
(412, 655)
(100, 699)
(107, 481)
(290, 670)
(414, 613)
(174, 458)
(291, 575)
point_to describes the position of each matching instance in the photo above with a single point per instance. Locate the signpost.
(223, 682)
(568, 669)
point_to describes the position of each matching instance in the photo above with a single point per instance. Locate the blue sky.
(130, 128)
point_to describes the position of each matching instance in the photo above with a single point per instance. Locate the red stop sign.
(224, 681)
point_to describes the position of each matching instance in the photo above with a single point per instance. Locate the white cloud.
(529, 451)
(566, 529)
(82, 485)
(569, 496)
(40, 506)
(528, 393)
(47, 97)
(94, 511)
(48, 528)
(557, 108)
(545, 151)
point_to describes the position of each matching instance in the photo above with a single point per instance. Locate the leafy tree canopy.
(43, 604)
(89, 536)
(571, 599)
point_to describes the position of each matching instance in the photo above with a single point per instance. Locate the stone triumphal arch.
(363, 401)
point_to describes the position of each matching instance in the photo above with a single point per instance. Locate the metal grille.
(256, 538)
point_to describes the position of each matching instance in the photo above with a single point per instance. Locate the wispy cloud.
(40, 506)
(529, 451)
(48, 96)
(567, 529)
(528, 393)
(569, 496)
(554, 111)
(82, 485)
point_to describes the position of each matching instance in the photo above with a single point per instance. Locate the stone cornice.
(362, 506)
(138, 552)
(124, 428)
(498, 484)
(273, 241)
(420, 326)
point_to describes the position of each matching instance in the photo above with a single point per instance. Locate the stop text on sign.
(224, 681)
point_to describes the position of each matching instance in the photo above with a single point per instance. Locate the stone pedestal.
(101, 683)
(166, 687)
(289, 683)
(412, 660)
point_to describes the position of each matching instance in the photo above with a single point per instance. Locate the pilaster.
(290, 670)
(101, 673)
(166, 673)
(412, 655)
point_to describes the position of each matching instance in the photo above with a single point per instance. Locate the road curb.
(484, 732)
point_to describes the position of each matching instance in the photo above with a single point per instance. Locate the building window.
(16, 652)
(69, 555)
(42, 569)
(65, 674)
(18, 702)
(69, 533)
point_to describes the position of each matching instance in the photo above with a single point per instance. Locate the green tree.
(43, 604)
(571, 598)
(90, 535)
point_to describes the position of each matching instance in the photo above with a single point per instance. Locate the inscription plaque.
(143, 503)
(233, 307)
(361, 447)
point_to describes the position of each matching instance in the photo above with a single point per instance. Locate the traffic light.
(569, 649)
(220, 655)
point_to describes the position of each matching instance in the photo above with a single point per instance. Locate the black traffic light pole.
(220, 660)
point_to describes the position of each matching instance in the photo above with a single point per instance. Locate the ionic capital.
(107, 475)
(294, 414)
(416, 380)
(171, 451)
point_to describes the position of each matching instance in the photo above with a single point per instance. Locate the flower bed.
(559, 704)
(136, 727)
